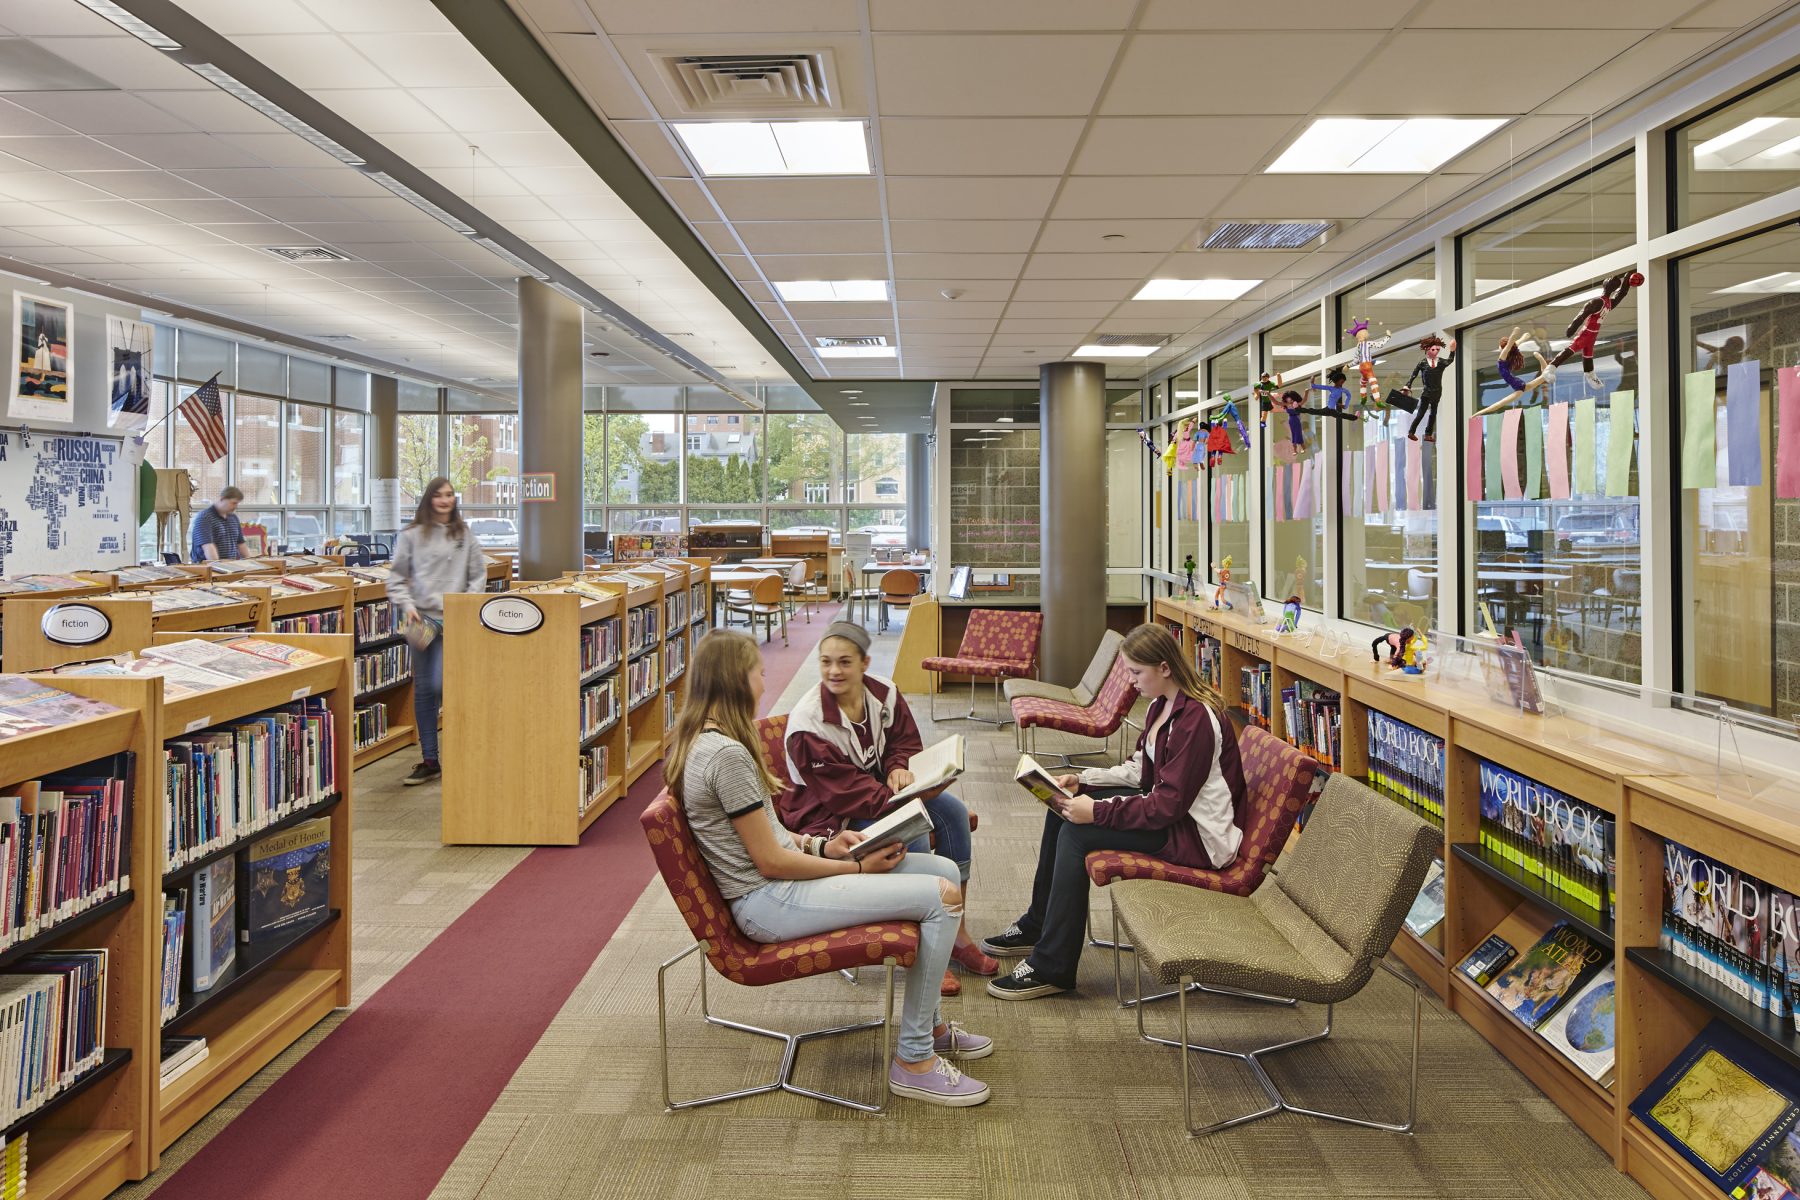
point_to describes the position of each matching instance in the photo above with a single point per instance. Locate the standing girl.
(433, 556)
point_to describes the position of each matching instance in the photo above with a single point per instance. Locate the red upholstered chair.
(1278, 779)
(1101, 719)
(998, 644)
(756, 964)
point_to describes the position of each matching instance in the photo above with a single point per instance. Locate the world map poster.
(67, 503)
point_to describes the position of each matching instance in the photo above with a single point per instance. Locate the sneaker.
(425, 772)
(943, 1084)
(1023, 984)
(961, 1043)
(1010, 942)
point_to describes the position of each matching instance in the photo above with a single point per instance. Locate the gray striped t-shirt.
(719, 782)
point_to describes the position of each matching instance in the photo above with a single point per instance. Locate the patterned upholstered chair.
(1316, 929)
(756, 964)
(996, 644)
(1278, 780)
(1101, 718)
(1082, 693)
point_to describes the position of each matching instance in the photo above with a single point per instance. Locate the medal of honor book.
(287, 879)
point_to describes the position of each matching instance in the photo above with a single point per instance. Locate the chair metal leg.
(972, 715)
(791, 1043)
(1120, 948)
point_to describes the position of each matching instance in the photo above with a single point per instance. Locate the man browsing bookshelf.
(216, 532)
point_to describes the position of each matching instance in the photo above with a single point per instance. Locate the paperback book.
(1556, 967)
(1487, 959)
(1035, 778)
(905, 824)
(1582, 1030)
(936, 766)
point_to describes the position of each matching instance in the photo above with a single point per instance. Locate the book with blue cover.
(213, 946)
(287, 880)
(1558, 966)
(1724, 1105)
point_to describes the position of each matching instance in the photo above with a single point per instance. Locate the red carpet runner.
(381, 1107)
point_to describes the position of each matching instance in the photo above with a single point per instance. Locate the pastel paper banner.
(1384, 459)
(1509, 454)
(1472, 460)
(1278, 488)
(1743, 423)
(1787, 437)
(1348, 461)
(1490, 440)
(1699, 430)
(1415, 478)
(1557, 452)
(1622, 430)
(1403, 453)
(1371, 497)
(1583, 483)
(1534, 454)
(1306, 500)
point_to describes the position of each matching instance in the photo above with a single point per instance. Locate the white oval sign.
(511, 614)
(76, 625)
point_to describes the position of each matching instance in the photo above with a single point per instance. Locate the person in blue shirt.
(217, 533)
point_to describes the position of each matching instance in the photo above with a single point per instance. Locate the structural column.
(918, 492)
(1072, 517)
(549, 432)
(384, 455)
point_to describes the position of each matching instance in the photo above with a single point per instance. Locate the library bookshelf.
(376, 627)
(822, 558)
(130, 624)
(1661, 1002)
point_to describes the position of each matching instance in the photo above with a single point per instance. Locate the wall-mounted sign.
(511, 614)
(538, 488)
(76, 625)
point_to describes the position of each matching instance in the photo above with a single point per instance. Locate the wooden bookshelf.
(820, 555)
(132, 624)
(397, 699)
(499, 572)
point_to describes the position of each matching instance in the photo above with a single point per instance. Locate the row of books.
(174, 944)
(643, 677)
(64, 845)
(1407, 763)
(382, 668)
(24, 585)
(12, 1165)
(230, 781)
(374, 621)
(1733, 927)
(1209, 658)
(677, 607)
(238, 566)
(696, 603)
(1256, 686)
(599, 705)
(52, 1026)
(594, 761)
(1314, 717)
(647, 545)
(149, 573)
(330, 620)
(29, 705)
(1554, 980)
(669, 710)
(1732, 1110)
(674, 658)
(1552, 837)
(1409, 801)
(641, 627)
(182, 599)
(179, 1056)
(599, 645)
(369, 725)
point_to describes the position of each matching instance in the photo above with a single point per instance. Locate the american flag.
(206, 414)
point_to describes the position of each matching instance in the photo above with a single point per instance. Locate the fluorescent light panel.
(1359, 145)
(268, 108)
(1736, 134)
(421, 203)
(810, 291)
(1781, 281)
(136, 26)
(1195, 289)
(1094, 350)
(854, 351)
(776, 147)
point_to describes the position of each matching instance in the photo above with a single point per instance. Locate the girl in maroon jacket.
(1176, 799)
(848, 744)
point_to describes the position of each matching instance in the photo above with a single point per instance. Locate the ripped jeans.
(795, 908)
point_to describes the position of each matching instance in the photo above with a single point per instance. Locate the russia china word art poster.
(129, 345)
(42, 370)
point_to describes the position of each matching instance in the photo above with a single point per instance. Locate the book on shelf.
(1733, 927)
(1407, 764)
(594, 763)
(1037, 779)
(287, 656)
(1488, 959)
(28, 705)
(64, 846)
(1314, 719)
(599, 705)
(213, 945)
(328, 620)
(180, 1055)
(1427, 909)
(599, 645)
(218, 657)
(13, 1165)
(174, 929)
(287, 880)
(18, 585)
(370, 724)
(936, 766)
(52, 1026)
(1582, 1030)
(1555, 967)
(905, 824)
(1724, 1105)
(381, 668)
(179, 679)
(373, 620)
(1548, 835)
(1209, 658)
(1255, 685)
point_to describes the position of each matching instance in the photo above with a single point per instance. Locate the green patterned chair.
(1316, 929)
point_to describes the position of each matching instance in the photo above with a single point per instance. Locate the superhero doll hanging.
(1189, 444)
(1431, 370)
(1265, 390)
(1218, 442)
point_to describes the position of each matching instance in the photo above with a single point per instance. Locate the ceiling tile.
(968, 325)
(1540, 14)
(1654, 58)
(1181, 145)
(1050, 310)
(915, 198)
(822, 266)
(70, 154)
(1729, 14)
(1094, 237)
(95, 113)
(1092, 266)
(425, 60)
(812, 314)
(970, 289)
(1330, 196)
(18, 121)
(1141, 196)
(1511, 141)
(977, 145)
(122, 60)
(1435, 65)
(1225, 71)
(230, 17)
(480, 110)
(1047, 326)
(996, 237)
(1012, 74)
(588, 63)
(1322, 15)
(811, 237)
(812, 199)
(311, 60)
(954, 266)
(974, 310)
(646, 140)
(711, 16)
(381, 111)
(1109, 290)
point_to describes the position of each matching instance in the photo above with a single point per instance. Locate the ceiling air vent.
(306, 254)
(1133, 339)
(852, 341)
(1264, 235)
(719, 84)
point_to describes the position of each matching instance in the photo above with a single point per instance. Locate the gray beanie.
(851, 632)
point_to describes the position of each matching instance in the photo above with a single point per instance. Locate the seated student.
(1174, 798)
(848, 743)
(780, 886)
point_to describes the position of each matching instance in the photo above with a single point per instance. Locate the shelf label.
(301, 693)
(76, 625)
(511, 614)
(537, 487)
(197, 723)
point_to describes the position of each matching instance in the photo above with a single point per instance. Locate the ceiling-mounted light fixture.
(233, 86)
(131, 23)
(421, 203)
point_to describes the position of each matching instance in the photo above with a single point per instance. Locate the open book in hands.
(1035, 778)
(908, 823)
(934, 767)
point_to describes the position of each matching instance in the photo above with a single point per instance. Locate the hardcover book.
(287, 879)
(934, 767)
(1777, 1176)
(1487, 959)
(908, 823)
(214, 922)
(1582, 1030)
(1723, 1105)
(1558, 966)
(1034, 778)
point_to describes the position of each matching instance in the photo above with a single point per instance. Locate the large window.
(306, 455)
(994, 498)
(593, 461)
(1389, 515)
(418, 458)
(1230, 371)
(1555, 538)
(1740, 540)
(1294, 509)
(1125, 499)
(1228, 501)
(1396, 299)
(1293, 343)
(258, 446)
(484, 459)
(1187, 391)
(724, 458)
(805, 458)
(1584, 218)
(877, 468)
(643, 459)
(1739, 153)
(348, 463)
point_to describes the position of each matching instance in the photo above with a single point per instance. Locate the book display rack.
(384, 719)
(127, 621)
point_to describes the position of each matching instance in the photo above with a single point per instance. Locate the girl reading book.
(781, 885)
(848, 745)
(1174, 798)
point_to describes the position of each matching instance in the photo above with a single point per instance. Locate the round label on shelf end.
(76, 625)
(511, 614)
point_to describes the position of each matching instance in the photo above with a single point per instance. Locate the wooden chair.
(898, 590)
(763, 601)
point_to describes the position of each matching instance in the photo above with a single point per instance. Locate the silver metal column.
(384, 455)
(1072, 521)
(549, 429)
(918, 492)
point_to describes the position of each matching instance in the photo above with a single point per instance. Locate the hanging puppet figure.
(1508, 362)
(1368, 390)
(1230, 412)
(1169, 455)
(1337, 396)
(1265, 390)
(1188, 443)
(1431, 369)
(1585, 328)
(1224, 572)
(1290, 404)
(1218, 442)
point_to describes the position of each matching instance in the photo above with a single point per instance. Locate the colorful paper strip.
(1490, 440)
(1472, 460)
(1534, 454)
(1583, 482)
(1621, 424)
(1509, 454)
(1699, 430)
(1743, 423)
(1787, 436)
(1556, 456)
(1415, 470)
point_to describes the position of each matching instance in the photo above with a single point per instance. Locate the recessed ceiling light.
(1195, 289)
(1358, 145)
(1095, 350)
(859, 404)
(813, 291)
(1293, 352)
(1733, 136)
(131, 23)
(776, 147)
(1781, 281)
(854, 351)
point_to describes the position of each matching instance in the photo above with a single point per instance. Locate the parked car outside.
(495, 532)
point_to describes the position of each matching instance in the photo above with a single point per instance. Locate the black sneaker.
(1010, 943)
(425, 772)
(1023, 984)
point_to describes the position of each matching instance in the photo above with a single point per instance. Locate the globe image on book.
(1590, 1024)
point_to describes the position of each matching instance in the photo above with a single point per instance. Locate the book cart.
(377, 626)
(1652, 793)
(131, 622)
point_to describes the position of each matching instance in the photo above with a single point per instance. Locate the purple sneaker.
(960, 1043)
(943, 1084)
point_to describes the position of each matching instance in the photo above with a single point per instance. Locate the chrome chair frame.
(1119, 948)
(971, 715)
(791, 1043)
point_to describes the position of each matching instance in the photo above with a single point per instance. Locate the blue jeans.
(428, 695)
(950, 822)
(795, 908)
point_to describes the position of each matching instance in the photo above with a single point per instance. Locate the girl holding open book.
(781, 886)
(1175, 798)
(849, 743)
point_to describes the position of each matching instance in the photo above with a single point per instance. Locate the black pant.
(1427, 412)
(1059, 894)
